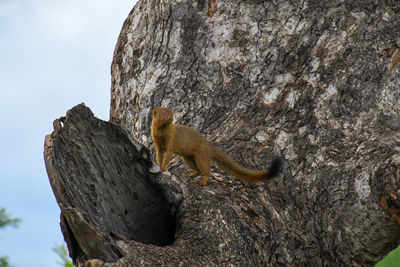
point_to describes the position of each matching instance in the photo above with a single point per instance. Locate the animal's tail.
(229, 165)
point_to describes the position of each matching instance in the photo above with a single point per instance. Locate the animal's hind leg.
(189, 161)
(204, 166)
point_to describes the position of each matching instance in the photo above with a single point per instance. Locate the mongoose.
(196, 151)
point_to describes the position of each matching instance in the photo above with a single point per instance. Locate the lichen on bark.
(314, 81)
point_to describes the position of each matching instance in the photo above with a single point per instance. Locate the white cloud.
(66, 20)
(72, 20)
(5, 8)
(63, 20)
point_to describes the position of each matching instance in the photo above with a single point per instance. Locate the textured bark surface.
(315, 81)
(100, 178)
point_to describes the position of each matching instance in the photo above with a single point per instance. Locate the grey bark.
(100, 177)
(314, 81)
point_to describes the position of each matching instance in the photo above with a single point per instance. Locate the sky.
(54, 54)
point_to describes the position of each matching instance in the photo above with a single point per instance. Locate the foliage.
(391, 260)
(4, 262)
(6, 220)
(62, 252)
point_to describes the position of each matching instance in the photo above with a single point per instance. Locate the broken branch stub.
(99, 176)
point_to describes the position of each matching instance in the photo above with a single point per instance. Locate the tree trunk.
(316, 82)
(100, 177)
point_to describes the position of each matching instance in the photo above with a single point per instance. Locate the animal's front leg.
(159, 156)
(166, 160)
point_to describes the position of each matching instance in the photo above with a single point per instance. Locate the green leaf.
(5, 219)
(391, 260)
(62, 252)
(4, 262)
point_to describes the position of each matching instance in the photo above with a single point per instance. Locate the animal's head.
(162, 116)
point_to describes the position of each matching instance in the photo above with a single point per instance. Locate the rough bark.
(314, 81)
(100, 177)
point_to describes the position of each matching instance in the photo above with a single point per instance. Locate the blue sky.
(54, 54)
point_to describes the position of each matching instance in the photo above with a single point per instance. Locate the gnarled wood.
(100, 177)
(316, 82)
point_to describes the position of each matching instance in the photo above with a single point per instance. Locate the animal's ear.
(170, 114)
(155, 110)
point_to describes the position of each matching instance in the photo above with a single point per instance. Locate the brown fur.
(196, 151)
